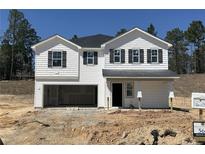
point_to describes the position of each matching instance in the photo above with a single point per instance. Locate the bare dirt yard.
(20, 123)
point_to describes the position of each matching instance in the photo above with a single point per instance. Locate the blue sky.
(88, 22)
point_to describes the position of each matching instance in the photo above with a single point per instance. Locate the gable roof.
(53, 37)
(98, 40)
(140, 30)
(92, 41)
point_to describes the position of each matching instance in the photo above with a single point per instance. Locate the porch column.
(107, 93)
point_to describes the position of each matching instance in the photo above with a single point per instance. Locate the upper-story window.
(117, 56)
(57, 59)
(90, 58)
(154, 56)
(135, 56)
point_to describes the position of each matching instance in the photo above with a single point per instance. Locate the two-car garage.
(70, 95)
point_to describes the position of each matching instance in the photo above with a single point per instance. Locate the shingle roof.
(92, 41)
(139, 73)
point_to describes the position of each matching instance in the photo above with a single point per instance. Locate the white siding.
(93, 73)
(41, 63)
(137, 43)
(154, 94)
(89, 75)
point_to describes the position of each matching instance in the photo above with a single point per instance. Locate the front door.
(117, 94)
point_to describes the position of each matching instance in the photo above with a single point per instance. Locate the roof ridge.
(95, 35)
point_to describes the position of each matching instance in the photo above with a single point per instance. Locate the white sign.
(199, 129)
(171, 94)
(198, 100)
(139, 94)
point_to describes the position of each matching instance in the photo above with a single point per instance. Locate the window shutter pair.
(141, 56)
(122, 56)
(160, 56)
(50, 58)
(85, 54)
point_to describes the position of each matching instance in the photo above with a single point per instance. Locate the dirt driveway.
(20, 123)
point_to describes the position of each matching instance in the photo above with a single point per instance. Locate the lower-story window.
(129, 89)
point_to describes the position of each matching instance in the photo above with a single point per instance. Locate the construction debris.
(1, 142)
(155, 134)
(124, 134)
(169, 132)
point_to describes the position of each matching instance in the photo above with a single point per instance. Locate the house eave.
(33, 47)
(92, 49)
(122, 77)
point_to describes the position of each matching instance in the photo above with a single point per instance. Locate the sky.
(90, 22)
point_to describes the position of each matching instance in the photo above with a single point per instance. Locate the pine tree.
(178, 57)
(16, 44)
(122, 31)
(195, 34)
(151, 30)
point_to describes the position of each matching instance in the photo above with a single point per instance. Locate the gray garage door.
(70, 95)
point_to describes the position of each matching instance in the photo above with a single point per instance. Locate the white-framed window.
(57, 59)
(117, 56)
(154, 56)
(129, 89)
(90, 57)
(135, 56)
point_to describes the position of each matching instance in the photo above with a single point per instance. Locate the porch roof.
(126, 73)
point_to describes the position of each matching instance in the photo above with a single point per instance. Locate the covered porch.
(123, 87)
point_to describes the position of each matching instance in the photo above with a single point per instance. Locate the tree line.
(17, 58)
(16, 55)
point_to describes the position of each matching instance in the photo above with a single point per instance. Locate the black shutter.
(141, 56)
(160, 56)
(111, 56)
(85, 57)
(50, 55)
(130, 55)
(148, 55)
(64, 58)
(122, 55)
(95, 58)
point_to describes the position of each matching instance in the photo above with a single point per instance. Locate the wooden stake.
(171, 104)
(107, 103)
(139, 105)
(200, 114)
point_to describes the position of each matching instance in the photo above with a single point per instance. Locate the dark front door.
(117, 94)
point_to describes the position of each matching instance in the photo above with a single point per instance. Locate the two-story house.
(101, 71)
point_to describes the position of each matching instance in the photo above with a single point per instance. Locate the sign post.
(171, 96)
(200, 114)
(108, 103)
(198, 102)
(139, 96)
